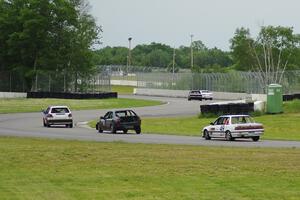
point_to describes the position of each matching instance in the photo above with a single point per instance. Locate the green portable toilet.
(274, 99)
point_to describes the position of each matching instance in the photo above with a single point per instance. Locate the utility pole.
(192, 60)
(129, 54)
(192, 56)
(174, 54)
(173, 67)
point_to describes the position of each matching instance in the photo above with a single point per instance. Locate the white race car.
(57, 115)
(233, 126)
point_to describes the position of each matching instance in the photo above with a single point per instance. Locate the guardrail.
(226, 109)
(65, 95)
(290, 97)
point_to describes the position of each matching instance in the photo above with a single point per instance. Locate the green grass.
(292, 106)
(122, 89)
(35, 105)
(54, 169)
(187, 126)
(277, 127)
(281, 127)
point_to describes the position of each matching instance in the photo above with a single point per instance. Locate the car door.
(223, 126)
(108, 120)
(103, 120)
(218, 127)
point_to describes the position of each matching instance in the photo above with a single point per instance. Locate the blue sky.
(173, 21)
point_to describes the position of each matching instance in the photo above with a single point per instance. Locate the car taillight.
(70, 115)
(248, 127)
(49, 115)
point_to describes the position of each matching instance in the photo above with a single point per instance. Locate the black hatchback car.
(123, 120)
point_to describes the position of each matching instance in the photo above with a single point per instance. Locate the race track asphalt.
(30, 125)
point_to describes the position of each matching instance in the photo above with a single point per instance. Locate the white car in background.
(200, 95)
(57, 115)
(233, 126)
(206, 95)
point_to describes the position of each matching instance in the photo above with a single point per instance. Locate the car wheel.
(48, 125)
(71, 125)
(255, 139)
(228, 136)
(189, 99)
(113, 129)
(206, 135)
(138, 130)
(125, 131)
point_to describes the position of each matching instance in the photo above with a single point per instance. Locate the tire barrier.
(290, 97)
(66, 95)
(227, 109)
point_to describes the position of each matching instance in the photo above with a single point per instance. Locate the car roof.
(119, 110)
(58, 107)
(199, 90)
(234, 116)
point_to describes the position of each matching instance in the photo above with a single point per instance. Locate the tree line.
(277, 47)
(58, 35)
(161, 56)
(42, 35)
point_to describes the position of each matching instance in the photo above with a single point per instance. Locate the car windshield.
(125, 113)
(241, 120)
(60, 110)
(195, 92)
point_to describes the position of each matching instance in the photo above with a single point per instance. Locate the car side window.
(132, 113)
(222, 121)
(226, 121)
(106, 115)
(47, 111)
(219, 121)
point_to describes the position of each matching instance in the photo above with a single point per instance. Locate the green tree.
(241, 49)
(273, 51)
(39, 35)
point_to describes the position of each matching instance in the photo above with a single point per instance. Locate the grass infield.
(55, 169)
(277, 127)
(36, 105)
(122, 89)
(284, 126)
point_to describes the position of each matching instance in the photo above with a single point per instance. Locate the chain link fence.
(63, 81)
(12, 82)
(54, 81)
(242, 82)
